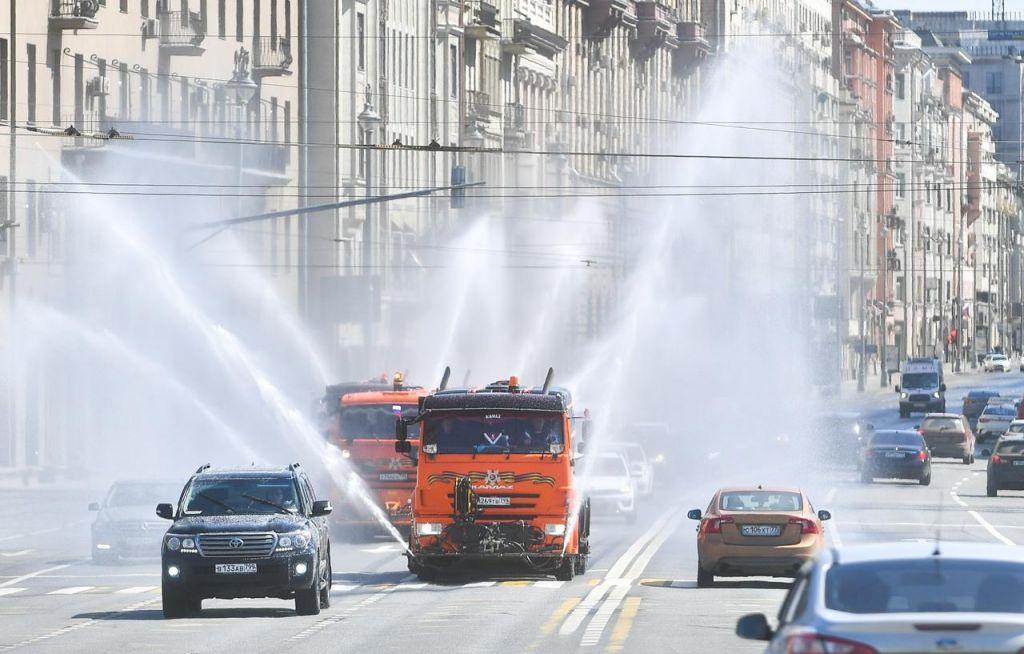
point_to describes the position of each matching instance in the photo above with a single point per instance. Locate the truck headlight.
(936, 395)
(297, 540)
(428, 529)
(555, 529)
(903, 396)
(173, 543)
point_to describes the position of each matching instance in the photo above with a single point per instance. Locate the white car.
(901, 597)
(1016, 427)
(996, 362)
(994, 420)
(640, 468)
(610, 487)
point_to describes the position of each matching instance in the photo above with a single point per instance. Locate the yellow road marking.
(517, 582)
(594, 582)
(622, 626)
(549, 626)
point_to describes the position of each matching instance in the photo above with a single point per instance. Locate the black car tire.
(307, 601)
(326, 582)
(925, 480)
(581, 564)
(567, 569)
(176, 603)
(704, 578)
(968, 460)
(992, 491)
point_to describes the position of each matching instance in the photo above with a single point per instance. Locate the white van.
(922, 387)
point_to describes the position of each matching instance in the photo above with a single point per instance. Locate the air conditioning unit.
(97, 85)
(150, 28)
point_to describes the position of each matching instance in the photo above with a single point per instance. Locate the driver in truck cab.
(496, 481)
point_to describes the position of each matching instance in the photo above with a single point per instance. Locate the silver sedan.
(900, 598)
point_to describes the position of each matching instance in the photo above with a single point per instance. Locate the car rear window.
(1011, 448)
(982, 394)
(761, 500)
(999, 410)
(928, 585)
(898, 438)
(942, 424)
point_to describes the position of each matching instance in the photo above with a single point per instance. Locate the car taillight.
(806, 526)
(996, 459)
(817, 644)
(714, 525)
(922, 456)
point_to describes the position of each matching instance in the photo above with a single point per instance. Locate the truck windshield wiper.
(267, 502)
(226, 506)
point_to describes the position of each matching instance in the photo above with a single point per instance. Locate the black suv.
(247, 532)
(1006, 465)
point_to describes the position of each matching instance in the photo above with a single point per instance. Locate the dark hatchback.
(896, 454)
(124, 527)
(1006, 465)
(975, 402)
(246, 533)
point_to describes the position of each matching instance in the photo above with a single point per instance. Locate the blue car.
(896, 454)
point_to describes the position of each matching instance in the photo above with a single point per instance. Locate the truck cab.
(365, 436)
(495, 480)
(922, 387)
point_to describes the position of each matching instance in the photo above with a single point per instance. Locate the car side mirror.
(694, 514)
(401, 430)
(942, 388)
(165, 511)
(824, 515)
(321, 508)
(94, 506)
(897, 388)
(403, 447)
(754, 627)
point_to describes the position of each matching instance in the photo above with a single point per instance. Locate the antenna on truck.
(547, 381)
(444, 378)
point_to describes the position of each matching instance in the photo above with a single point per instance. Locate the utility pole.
(861, 371)
(368, 119)
(10, 456)
(924, 298)
(883, 377)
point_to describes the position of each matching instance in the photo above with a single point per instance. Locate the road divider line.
(18, 580)
(324, 623)
(623, 625)
(75, 627)
(134, 590)
(989, 528)
(70, 590)
(10, 591)
(18, 553)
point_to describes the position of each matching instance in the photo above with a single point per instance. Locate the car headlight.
(188, 543)
(297, 540)
(428, 529)
(555, 529)
(903, 396)
(625, 489)
(173, 543)
(936, 395)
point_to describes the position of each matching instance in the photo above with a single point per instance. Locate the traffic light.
(458, 179)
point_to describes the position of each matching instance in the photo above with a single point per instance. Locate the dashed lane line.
(77, 626)
(995, 533)
(10, 591)
(135, 590)
(18, 580)
(553, 621)
(623, 625)
(324, 623)
(70, 590)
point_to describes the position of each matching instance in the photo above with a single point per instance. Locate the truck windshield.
(375, 420)
(480, 432)
(920, 380)
(240, 496)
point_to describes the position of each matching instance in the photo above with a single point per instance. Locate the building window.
(360, 41)
(222, 27)
(79, 90)
(994, 82)
(144, 8)
(3, 79)
(453, 56)
(5, 228)
(122, 97)
(239, 20)
(901, 82)
(123, 6)
(901, 185)
(288, 19)
(144, 93)
(32, 211)
(273, 24)
(287, 121)
(31, 52)
(256, 15)
(55, 90)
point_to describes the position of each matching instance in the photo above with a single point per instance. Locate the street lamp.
(242, 90)
(368, 120)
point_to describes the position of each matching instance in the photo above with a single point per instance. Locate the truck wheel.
(925, 480)
(704, 578)
(581, 564)
(969, 459)
(307, 601)
(567, 570)
(176, 603)
(992, 491)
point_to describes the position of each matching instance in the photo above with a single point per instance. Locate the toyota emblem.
(235, 543)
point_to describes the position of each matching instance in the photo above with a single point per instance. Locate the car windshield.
(1016, 427)
(610, 466)
(998, 357)
(920, 380)
(999, 410)
(141, 494)
(942, 424)
(1011, 448)
(375, 420)
(481, 432)
(978, 395)
(240, 495)
(761, 500)
(929, 585)
(897, 438)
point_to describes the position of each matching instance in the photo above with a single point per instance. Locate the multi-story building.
(101, 98)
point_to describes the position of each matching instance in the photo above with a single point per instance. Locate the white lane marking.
(10, 591)
(70, 590)
(956, 498)
(382, 549)
(18, 580)
(134, 590)
(18, 553)
(77, 626)
(343, 588)
(322, 624)
(549, 584)
(479, 584)
(30, 533)
(990, 529)
(411, 586)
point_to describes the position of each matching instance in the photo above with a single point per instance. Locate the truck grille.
(250, 545)
(920, 398)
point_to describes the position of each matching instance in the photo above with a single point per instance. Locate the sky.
(947, 5)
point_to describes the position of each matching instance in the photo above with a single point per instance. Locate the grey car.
(899, 598)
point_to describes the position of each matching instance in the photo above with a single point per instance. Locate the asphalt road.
(638, 596)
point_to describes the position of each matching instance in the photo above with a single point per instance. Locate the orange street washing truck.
(495, 480)
(326, 408)
(365, 436)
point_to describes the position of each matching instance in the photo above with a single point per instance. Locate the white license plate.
(393, 476)
(1019, 462)
(484, 500)
(894, 455)
(760, 530)
(235, 568)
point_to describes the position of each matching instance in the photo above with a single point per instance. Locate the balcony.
(271, 57)
(478, 106)
(515, 122)
(482, 20)
(603, 16)
(655, 27)
(693, 46)
(74, 14)
(523, 37)
(181, 33)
